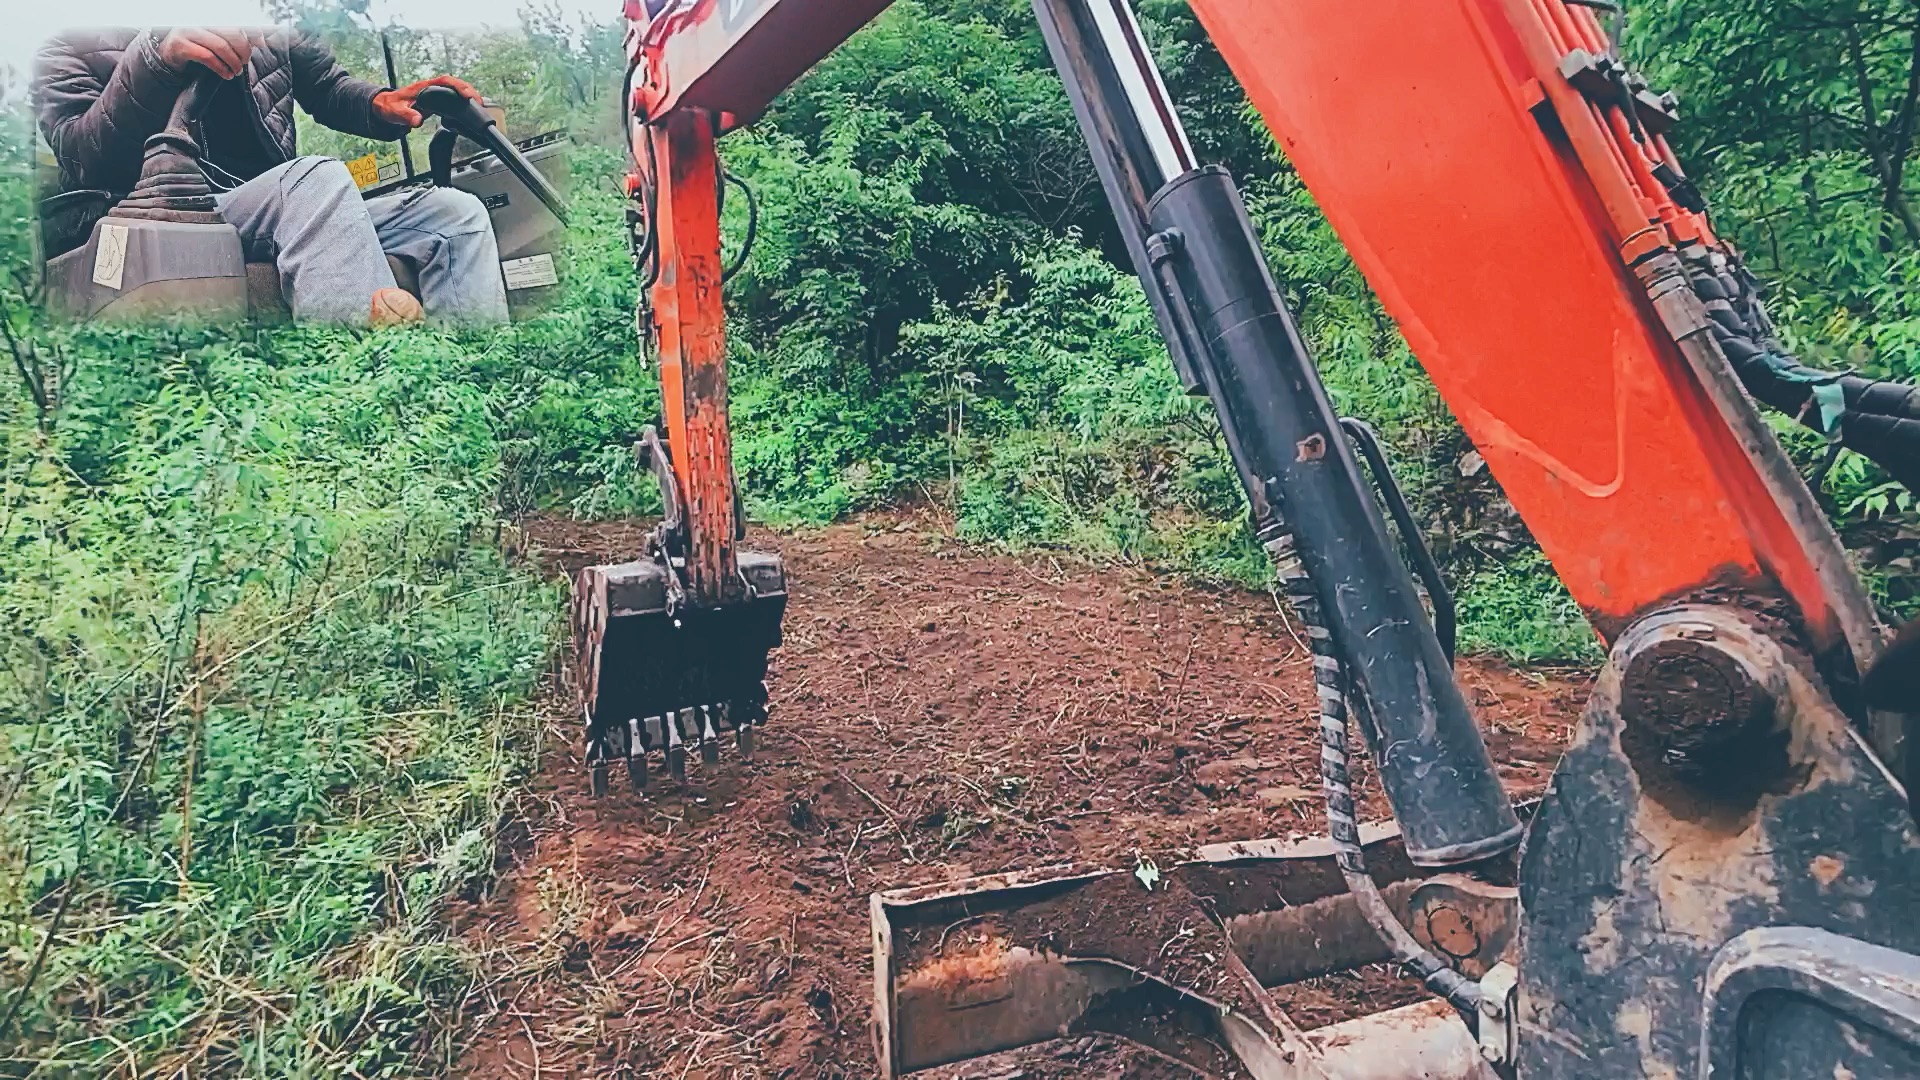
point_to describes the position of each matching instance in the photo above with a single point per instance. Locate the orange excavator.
(1722, 878)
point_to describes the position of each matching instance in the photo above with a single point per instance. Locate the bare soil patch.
(937, 712)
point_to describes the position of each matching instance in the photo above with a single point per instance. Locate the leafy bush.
(262, 696)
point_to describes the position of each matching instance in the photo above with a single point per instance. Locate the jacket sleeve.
(96, 128)
(333, 97)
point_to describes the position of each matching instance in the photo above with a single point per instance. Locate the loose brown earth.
(937, 712)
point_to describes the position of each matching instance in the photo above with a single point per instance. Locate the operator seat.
(66, 222)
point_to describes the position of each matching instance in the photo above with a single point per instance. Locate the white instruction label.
(530, 272)
(110, 257)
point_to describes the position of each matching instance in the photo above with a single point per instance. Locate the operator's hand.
(223, 51)
(396, 106)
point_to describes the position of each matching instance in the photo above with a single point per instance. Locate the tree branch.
(1903, 120)
(31, 367)
(1876, 147)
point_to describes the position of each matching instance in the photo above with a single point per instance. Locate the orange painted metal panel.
(732, 57)
(690, 325)
(1413, 123)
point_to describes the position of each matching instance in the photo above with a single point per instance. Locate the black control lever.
(172, 185)
(461, 115)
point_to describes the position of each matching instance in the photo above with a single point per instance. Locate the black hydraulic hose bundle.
(1330, 686)
(645, 245)
(753, 220)
(1878, 418)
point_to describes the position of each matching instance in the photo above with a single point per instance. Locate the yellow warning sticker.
(365, 170)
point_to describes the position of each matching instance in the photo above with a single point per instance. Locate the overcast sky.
(29, 22)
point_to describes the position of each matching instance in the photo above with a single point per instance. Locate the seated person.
(100, 94)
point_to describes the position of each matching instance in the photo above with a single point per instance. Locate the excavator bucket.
(656, 678)
(671, 647)
(1191, 962)
(659, 670)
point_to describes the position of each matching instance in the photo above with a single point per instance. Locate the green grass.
(1519, 611)
(264, 701)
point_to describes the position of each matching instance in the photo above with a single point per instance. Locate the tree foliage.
(1801, 119)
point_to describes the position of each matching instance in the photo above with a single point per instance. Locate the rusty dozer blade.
(1183, 967)
(658, 671)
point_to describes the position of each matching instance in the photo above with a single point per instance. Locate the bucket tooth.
(636, 755)
(676, 749)
(597, 763)
(709, 738)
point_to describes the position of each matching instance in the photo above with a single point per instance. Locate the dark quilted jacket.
(100, 93)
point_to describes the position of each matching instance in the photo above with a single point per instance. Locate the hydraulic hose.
(1330, 683)
(753, 222)
(650, 203)
(1875, 417)
(646, 249)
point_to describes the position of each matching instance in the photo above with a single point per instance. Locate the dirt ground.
(937, 712)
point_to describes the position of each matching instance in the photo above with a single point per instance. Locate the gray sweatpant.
(330, 246)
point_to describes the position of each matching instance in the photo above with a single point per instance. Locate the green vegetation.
(265, 690)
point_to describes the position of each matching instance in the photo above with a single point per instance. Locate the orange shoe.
(395, 307)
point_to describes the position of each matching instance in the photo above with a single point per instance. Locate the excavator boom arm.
(1501, 218)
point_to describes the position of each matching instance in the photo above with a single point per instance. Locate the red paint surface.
(690, 323)
(1498, 254)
